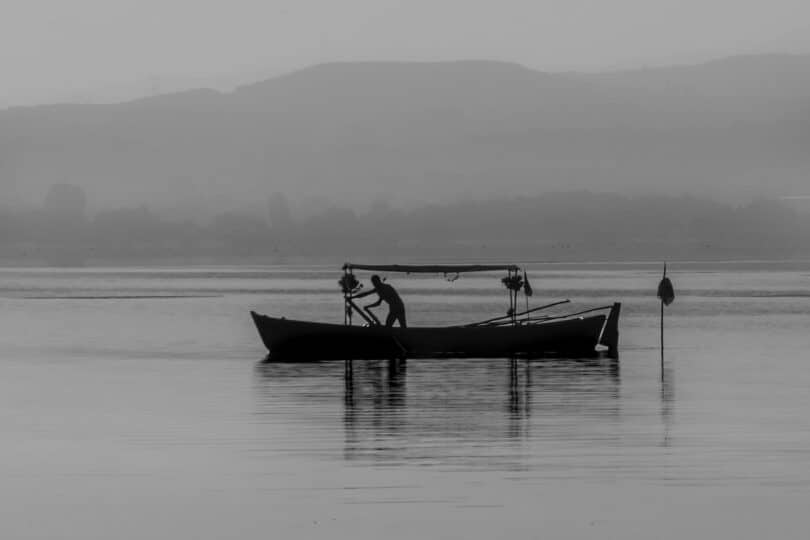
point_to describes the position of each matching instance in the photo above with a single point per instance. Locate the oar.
(489, 321)
(361, 312)
(371, 314)
(403, 351)
(577, 314)
(540, 320)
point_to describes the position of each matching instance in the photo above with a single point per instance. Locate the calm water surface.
(133, 404)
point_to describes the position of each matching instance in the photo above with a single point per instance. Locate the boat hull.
(292, 340)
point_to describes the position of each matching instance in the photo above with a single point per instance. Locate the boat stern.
(610, 332)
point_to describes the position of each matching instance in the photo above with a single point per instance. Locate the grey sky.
(95, 50)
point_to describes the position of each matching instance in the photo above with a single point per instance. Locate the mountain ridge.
(409, 131)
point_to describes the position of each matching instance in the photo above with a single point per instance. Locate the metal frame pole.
(347, 310)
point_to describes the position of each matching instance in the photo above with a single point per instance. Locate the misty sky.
(95, 50)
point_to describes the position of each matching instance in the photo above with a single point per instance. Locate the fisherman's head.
(375, 280)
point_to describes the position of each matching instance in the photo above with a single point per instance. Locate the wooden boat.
(583, 334)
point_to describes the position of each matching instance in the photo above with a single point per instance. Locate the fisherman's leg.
(400, 317)
(389, 320)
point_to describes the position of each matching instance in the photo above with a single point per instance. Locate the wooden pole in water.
(514, 303)
(663, 280)
(666, 293)
(662, 338)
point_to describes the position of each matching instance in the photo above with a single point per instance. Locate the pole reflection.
(667, 403)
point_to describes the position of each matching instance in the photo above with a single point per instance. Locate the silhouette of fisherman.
(389, 295)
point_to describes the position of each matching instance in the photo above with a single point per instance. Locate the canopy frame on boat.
(350, 307)
(432, 268)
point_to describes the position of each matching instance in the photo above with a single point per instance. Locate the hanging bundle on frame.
(349, 284)
(513, 282)
(527, 288)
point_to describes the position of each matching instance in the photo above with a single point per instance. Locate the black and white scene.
(377, 269)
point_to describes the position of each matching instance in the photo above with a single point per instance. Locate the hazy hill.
(732, 128)
(765, 76)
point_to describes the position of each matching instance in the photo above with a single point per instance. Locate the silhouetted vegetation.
(561, 226)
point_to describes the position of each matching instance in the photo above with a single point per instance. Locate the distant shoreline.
(328, 261)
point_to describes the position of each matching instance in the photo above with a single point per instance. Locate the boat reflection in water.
(461, 413)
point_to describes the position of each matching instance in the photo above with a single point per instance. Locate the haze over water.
(134, 404)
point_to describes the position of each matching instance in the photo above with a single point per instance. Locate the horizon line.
(304, 67)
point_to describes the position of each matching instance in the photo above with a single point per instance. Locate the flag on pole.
(527, 288)
(666, 292)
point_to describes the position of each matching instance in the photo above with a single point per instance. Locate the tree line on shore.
(555, 226)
